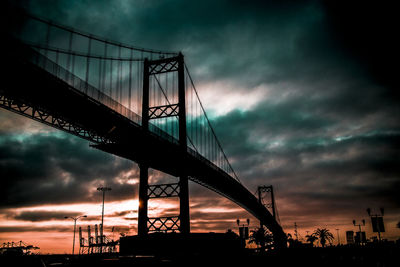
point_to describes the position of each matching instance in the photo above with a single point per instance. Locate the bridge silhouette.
(96, 88)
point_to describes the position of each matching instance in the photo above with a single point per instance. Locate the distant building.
(360, 238)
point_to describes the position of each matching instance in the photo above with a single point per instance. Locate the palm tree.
(323, 235)
(262, 237)
(311, 238)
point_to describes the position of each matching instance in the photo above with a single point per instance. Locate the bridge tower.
(267, 189)
(180, 189)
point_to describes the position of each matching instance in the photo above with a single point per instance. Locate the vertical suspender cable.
(212, 130)
(47, 39)
(137, 85)
(130, 81)
(197, 126)
(111, 73)
(87, 65)
(140, 75)
(166, 90)
(104, 68)
(100, 60)
(69, 56)
(119, 78)
(73, 70)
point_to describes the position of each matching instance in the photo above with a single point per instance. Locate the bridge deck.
(34, 92)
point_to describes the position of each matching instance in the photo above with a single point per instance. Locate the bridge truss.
(97, 93)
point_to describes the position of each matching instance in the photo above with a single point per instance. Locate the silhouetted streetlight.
(103, 189)
(243, 229)
(75, 219)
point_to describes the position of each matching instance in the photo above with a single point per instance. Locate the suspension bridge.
(96, 88)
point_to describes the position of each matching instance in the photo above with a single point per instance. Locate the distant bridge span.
(35, 86)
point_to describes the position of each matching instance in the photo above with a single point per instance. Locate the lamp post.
(75, 219)
(103, 189)
(243, 231)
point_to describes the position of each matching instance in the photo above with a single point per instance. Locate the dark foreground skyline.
(302, 95)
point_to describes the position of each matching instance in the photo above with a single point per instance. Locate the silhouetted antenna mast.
(296, 234)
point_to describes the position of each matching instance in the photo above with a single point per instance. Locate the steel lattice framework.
(50, 119)
(163, 190)
(88, 102)
(164, 224)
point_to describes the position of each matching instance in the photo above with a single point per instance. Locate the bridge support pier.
(143, 199)
(184, 204)
(146, 191)
(183, 182)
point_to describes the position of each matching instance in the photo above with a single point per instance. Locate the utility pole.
(103, 189)
(75, 219)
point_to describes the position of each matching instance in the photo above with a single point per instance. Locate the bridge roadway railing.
(82, 86)
(225, 185)
(77, 83)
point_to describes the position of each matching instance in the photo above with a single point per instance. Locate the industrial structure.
(95, 88)
(16, 248)
(97, 244)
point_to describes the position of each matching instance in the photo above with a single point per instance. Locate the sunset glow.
(301, 95)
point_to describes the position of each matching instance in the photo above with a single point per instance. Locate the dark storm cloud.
(263, 41)
(326, 135)
(311, 164)
(302, 44)
(94, 218)
(16, 124)
(121, 213)
(58, 168)
(19, 229)
(218, 216)
(130, 218)
(366, 31)
(37, 216)
(227, 37)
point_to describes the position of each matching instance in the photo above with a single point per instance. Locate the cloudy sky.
(303, 96)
